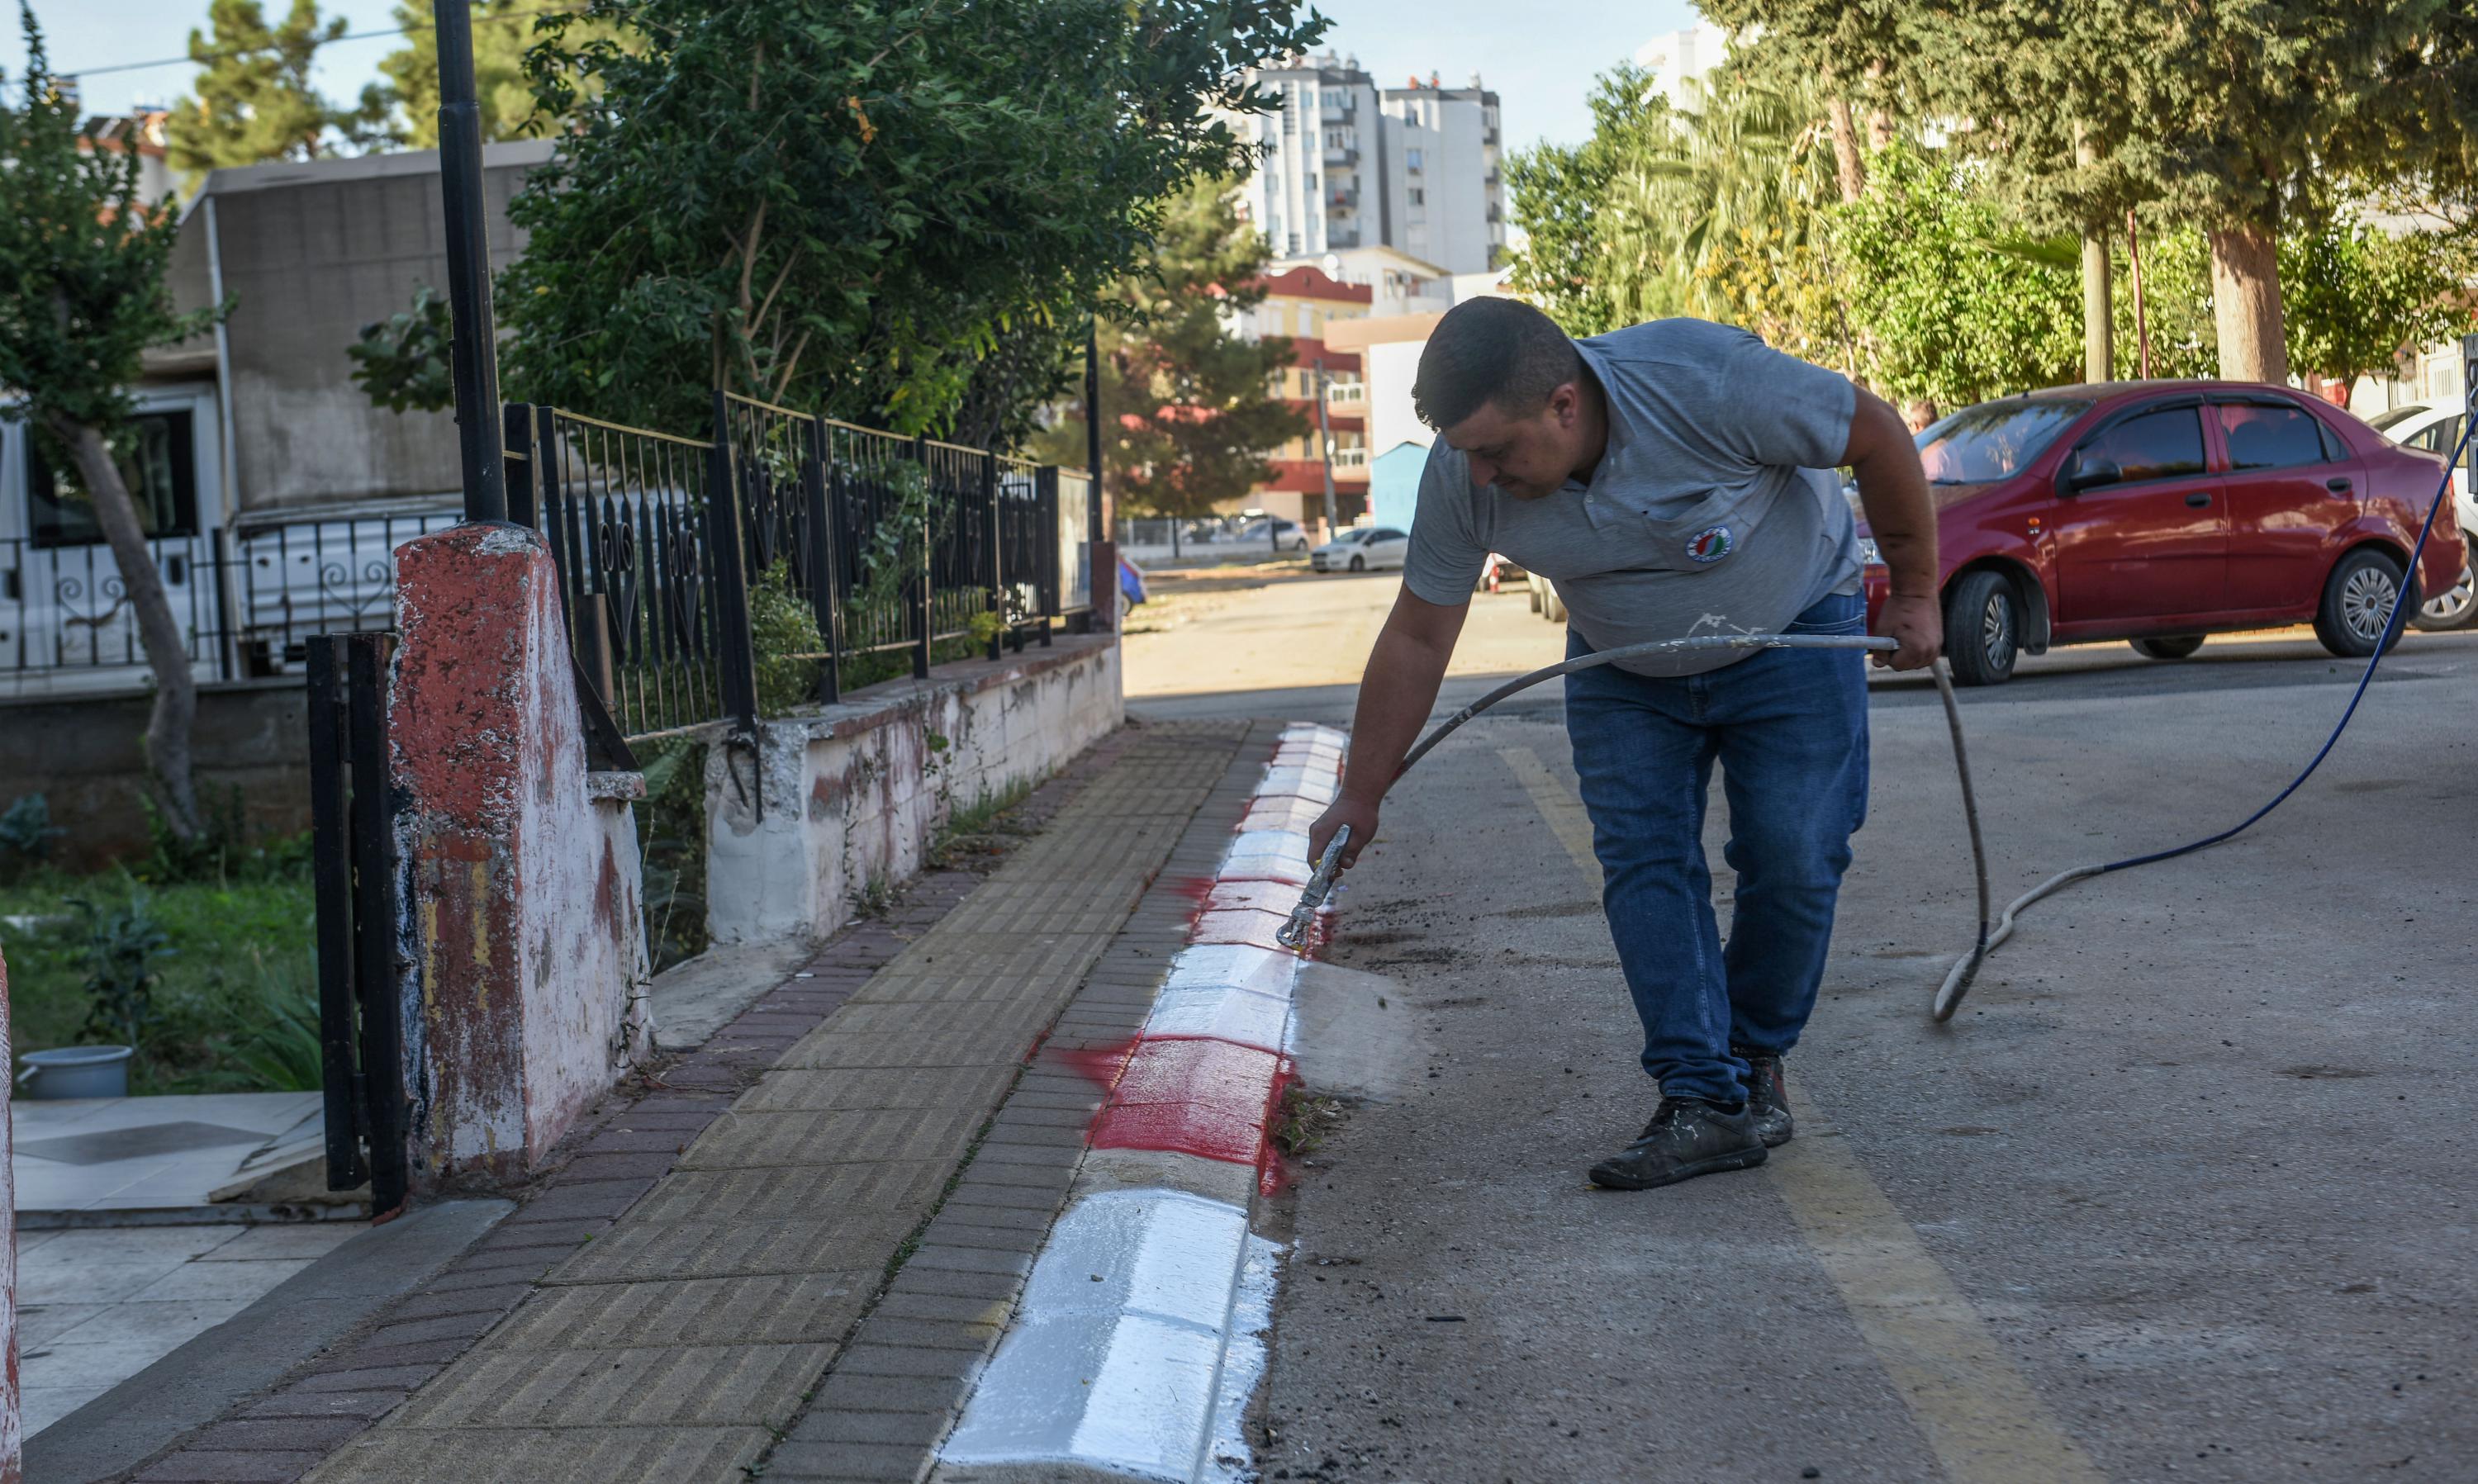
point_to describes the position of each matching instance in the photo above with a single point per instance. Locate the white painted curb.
(1139, 1339)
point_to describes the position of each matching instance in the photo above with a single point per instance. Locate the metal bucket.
(75, 1071)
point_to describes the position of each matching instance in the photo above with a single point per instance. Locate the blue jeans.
(1789, 728)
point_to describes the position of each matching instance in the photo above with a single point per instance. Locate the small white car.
(1278, 535)
(1361, 549)
(2437, 429)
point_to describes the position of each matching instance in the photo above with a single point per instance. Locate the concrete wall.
(83, 755)
(312, 252)
(853, 795)
(523, 928)
(12, 1440)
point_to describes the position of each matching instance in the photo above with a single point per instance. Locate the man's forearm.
(1395, 697)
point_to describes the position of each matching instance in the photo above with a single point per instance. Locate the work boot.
(1767, 1101)
(1687, 1137)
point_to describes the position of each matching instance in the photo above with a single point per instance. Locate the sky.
(1540, 62)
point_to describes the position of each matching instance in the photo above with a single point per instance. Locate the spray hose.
(1957, 980)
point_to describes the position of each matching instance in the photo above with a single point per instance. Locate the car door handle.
(2198, 501)
(2336, 481)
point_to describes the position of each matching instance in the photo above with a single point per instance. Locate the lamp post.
(1325, 448)
(473, 364)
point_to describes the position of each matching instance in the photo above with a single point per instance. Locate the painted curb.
(1138, 1339)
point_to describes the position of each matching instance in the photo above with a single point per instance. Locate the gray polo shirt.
(1712, 511)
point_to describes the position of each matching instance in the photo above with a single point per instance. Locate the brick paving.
(895, 1389)
(582, 1275)
(681, 1341)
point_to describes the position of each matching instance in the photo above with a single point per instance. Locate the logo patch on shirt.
(1711, 544)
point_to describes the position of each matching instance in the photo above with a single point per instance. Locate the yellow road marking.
(1980, 1416)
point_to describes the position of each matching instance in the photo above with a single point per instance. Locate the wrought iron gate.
(360, 1030)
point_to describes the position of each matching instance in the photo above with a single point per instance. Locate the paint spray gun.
(1294, 934)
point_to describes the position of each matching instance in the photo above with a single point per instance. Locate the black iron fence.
(359, 1011)
(838, 546)
(248, 597)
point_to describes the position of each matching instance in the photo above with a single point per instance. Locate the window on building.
(1410, 160)
(157, 465)
(1294, 244)
(1419, 196)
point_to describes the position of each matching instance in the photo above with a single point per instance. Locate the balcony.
(1350, 459)
(1342, 198)
(1342, 154)
(1340, 395)
(1340, 112)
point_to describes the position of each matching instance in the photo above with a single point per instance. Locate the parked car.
(2438, 431)
(1361, 549)
(2163, 511)
(1285, 535)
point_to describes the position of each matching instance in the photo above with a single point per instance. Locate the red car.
(2162, 512)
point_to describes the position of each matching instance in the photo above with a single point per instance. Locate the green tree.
(82, 296)
(254, 101)
(2232, 115)
(1192, 408)
(1951, 310)
(852, 206)
(504, 32)
(2355, 296)
(1558, 193)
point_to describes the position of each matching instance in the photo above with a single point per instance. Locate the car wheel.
(2453, 610)
(1983, 629)
(2177, 648)
(2358, 601)
(1359, 564)
(1553, 607)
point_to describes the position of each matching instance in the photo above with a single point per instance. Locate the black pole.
(472, 358)
(1093, 431)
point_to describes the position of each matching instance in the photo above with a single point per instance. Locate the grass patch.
(218, 975)
(1304, 1121)
(981, 830)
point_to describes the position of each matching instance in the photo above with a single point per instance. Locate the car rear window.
(2266, 436)
(1994, 440)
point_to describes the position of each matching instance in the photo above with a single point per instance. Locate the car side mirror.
(2091, 475)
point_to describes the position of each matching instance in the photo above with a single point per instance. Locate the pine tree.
(1190, 411)
(253, 99)
(504, 32)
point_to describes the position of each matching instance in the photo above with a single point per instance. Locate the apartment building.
(1301, 304)
(1351, 164)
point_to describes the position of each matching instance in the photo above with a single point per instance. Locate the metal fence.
(247, 597)
(837, 543)
(889, 546)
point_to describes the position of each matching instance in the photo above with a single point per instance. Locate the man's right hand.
(1362, 819)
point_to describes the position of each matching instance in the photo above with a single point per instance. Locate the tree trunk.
(2245, 304)
(2099, 308)
(1852, 168)
(1879, 123)
(176, 687)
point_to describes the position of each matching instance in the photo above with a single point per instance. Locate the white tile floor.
(89, 1179)
(97, 1305)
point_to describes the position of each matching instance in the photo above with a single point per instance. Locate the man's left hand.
(1918, 624)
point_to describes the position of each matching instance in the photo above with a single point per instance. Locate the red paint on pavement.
(1100, 1066)
(1251, 896)
(1208, 1098)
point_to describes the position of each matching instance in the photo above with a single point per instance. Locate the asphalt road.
(2183, 1192)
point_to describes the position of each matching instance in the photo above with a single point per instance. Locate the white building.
(1678, 56)
(1349, 164)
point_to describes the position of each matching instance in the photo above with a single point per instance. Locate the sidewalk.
(667, 1305)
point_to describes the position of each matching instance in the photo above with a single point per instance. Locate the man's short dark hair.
(1492, 351)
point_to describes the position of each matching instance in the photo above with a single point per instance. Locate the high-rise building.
(1676, 58)
(1348, 164)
